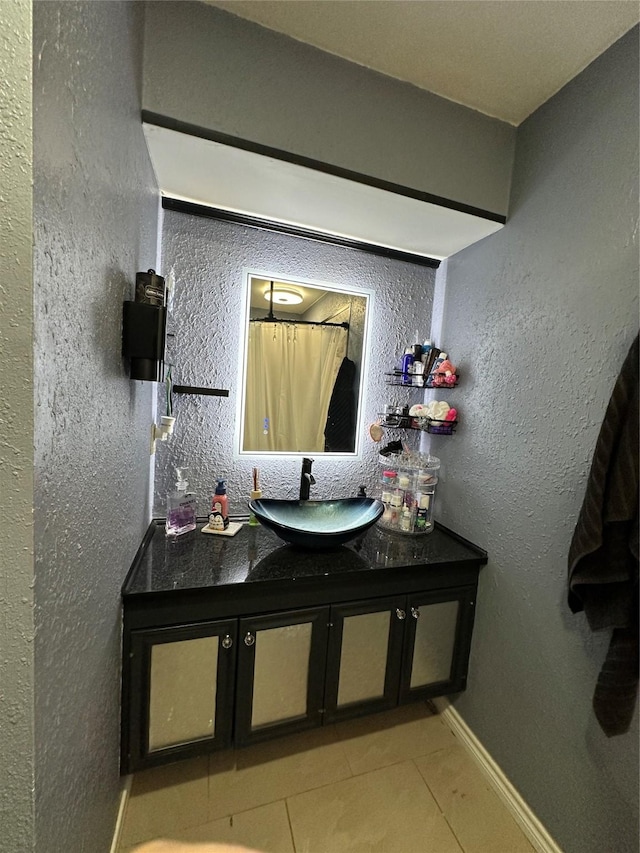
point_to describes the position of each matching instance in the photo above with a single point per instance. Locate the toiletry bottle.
(437, 361)
(406, 519)
(417, 349)
(220, 503)
(430, 353)
(427, 346)
(418, 366)
(396, 505)
(181, 507)
(422, 513)
(386, 500)
(436, 364)
(407, 365)
(254, 495)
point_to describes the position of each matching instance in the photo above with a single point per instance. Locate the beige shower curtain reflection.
(291, 371)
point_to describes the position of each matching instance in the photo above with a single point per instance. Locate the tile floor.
(397, 782)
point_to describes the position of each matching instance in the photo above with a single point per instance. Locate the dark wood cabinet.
(281, 665)
(180, 691)
(437, 642)
(326, 638)
(385, 652)
(363, 667)
(197, 688)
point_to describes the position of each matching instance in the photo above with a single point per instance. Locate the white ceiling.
(503, 58)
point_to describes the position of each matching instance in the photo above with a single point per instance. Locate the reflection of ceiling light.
(284, 296)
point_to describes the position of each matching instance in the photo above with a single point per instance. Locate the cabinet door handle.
(250, 639)
(415, 612)
(400, 613)
(227, 641)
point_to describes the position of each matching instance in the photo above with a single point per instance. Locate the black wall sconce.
(144, 324)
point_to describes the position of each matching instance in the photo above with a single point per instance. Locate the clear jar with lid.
(409, 493)
(389, 477)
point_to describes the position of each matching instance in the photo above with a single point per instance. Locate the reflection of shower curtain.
(340, 430)
(291, 371)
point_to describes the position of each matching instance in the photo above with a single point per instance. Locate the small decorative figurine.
(216, 521)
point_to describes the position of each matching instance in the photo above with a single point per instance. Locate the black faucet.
(306, 479)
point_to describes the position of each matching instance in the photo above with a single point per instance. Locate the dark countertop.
(197, 561)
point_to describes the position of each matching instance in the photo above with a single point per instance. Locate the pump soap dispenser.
(220, 505)
(219, 516)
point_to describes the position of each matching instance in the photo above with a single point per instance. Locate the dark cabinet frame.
(457, 680)
(141, 643)
(318, 617)
(389, 699)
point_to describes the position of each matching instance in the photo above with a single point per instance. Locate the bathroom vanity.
(233, 640)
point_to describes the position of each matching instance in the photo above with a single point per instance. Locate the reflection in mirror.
(303, 362)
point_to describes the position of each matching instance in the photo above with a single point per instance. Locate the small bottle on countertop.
(255, 494)
(395, 507)
(406, 519)
(423, 514)
(220, 506)
(386, 500)
(181, 507)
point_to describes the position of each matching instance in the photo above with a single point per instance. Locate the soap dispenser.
(181, 507)
(220, 504)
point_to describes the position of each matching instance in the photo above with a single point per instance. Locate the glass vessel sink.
(317, 524)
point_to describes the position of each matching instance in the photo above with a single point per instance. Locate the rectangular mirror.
(303, 362)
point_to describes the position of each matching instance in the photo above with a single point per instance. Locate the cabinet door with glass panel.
(281, 669)
(363, 666)
(436, 643)
(181, 702)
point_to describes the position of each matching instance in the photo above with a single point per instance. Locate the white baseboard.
(521, 812)
(124, 797)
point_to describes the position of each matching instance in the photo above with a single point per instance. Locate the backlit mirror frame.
(331, 287)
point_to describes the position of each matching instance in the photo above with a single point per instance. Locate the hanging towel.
(340, 429)
(603, 557)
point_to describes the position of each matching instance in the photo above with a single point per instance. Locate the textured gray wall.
(210, 68)
(16, 433)
(543, 314)
(95, 211)
(209, 257)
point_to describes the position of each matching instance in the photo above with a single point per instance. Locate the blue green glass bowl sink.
(317, 524)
